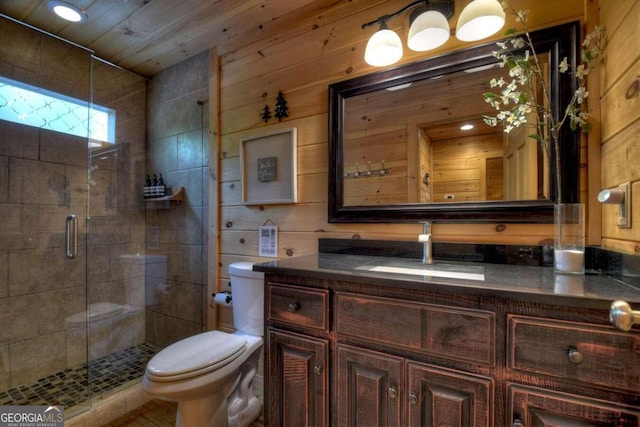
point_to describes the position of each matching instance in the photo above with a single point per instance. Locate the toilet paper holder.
(622, 197)
(222, 298)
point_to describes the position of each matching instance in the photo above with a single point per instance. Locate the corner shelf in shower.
(176, 195)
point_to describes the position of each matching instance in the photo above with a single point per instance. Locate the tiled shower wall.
(116, 232)
(43, 178)
(38, 287)
(178, 148)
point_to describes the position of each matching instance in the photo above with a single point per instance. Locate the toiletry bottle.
(147, 187)
(162, 188)
(154, 186)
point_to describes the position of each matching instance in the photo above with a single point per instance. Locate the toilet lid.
(195, 355)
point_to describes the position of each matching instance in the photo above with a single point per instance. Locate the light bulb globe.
(479, 20)
(428, 31)
(383, 48)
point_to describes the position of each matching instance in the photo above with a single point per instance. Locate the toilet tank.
(247, 292)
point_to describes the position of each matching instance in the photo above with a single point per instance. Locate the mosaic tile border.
(71, 387)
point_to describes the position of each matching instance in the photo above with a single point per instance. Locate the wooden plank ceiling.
(147, 36)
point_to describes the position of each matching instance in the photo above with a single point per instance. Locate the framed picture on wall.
(268, 168)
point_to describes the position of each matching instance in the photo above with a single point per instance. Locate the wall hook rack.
(368, 172)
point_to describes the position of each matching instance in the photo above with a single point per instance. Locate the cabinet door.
(368, 385)
(445, 397)
(298, 380)
(533, 407)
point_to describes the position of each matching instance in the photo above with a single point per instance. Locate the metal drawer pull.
(518, 423)
(317, 369)
(574, 355)
(622, 317)
(392, 392)
(71, 237)
(294, 306)
(413, 398)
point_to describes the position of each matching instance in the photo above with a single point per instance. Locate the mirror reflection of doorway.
(524, 162)
(458, 160)
(494, 184)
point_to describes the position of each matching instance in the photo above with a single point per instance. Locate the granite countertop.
(521, 282)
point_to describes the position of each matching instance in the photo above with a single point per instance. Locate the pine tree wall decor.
(281, 107)
(266, 113)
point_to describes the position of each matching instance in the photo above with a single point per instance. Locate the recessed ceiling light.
(467, 126)
(67, 11)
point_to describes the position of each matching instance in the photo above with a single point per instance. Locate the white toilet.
(211, 374)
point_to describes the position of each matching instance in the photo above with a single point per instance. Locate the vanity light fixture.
(479, 20)
(429, 28)
(67, 11)
(383, 48)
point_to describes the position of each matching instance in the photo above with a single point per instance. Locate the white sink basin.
(435, 271)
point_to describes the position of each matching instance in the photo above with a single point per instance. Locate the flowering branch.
(525, 93)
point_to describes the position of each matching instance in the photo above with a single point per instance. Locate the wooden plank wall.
(620, 104)
(300, 54)
(459, 166)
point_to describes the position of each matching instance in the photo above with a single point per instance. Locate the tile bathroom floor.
(69, 387)
(156, 413)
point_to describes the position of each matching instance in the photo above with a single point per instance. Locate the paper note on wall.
(269, 241)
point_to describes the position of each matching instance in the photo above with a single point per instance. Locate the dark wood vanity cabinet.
(354, 354)
(368, 387)
(537, 407)
(447, 397)
(297, 356)
(583, 354)
(378, 389)
(298, 371)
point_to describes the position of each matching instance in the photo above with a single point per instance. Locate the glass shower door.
(43, 292)
(45, 89)
(72, 282)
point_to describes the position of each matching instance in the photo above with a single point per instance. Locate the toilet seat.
(196, 355)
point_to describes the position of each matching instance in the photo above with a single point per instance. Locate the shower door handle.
(71, 236)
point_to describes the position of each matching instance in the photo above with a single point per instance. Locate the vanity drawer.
(583, 352)
(450, 332)
(308, 308)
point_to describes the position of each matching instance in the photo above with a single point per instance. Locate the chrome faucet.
(425, 239)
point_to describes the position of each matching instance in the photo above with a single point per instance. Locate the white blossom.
(491, 121)
(516, 99)
(582, 71)
(564, 65)
(581, 94)
(522, 15)
(517, 42)
(524, 109)
(497, 82)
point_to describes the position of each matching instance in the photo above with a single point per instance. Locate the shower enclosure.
(74, 289)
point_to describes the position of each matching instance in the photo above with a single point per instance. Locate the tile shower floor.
(68, 388)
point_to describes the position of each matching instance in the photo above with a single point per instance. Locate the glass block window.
(34, 106)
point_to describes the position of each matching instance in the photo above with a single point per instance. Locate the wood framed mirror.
(397, 154)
